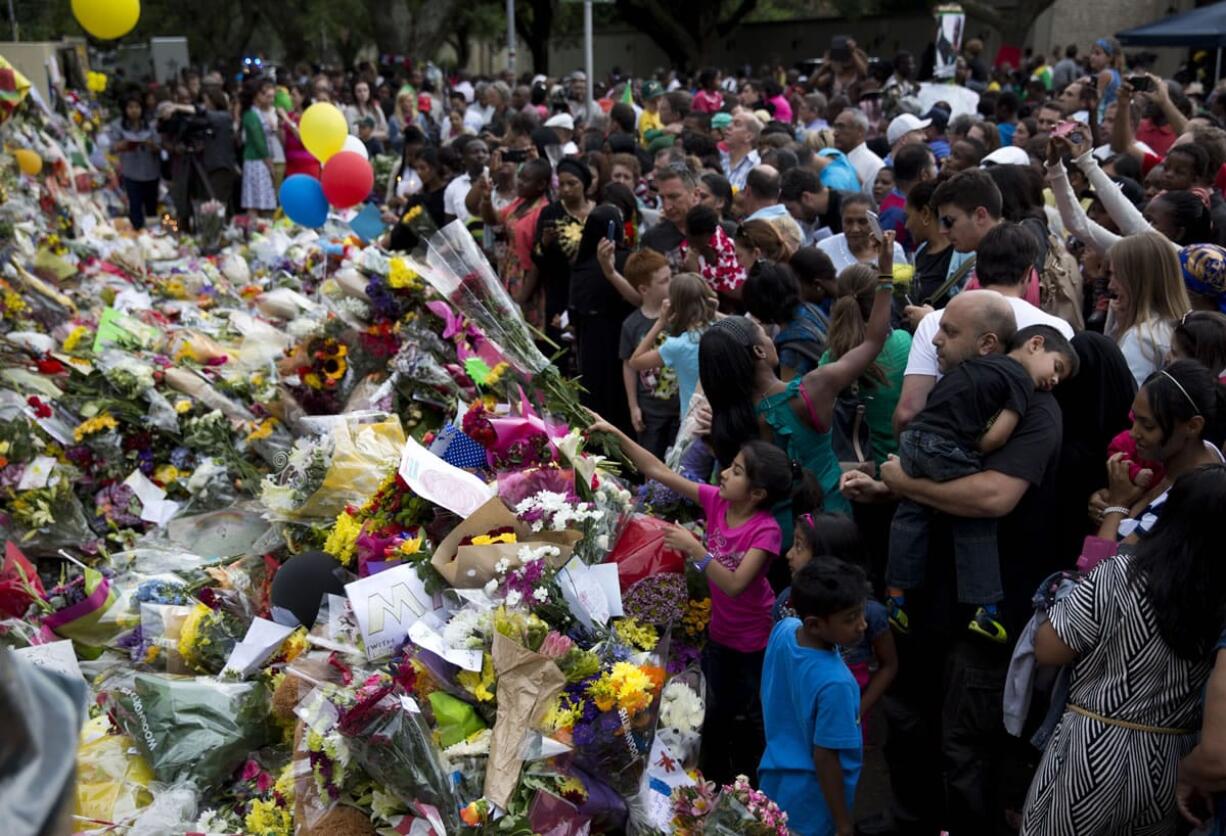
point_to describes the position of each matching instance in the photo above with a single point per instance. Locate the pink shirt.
(783, 110)
(742, 623)
(706, 102)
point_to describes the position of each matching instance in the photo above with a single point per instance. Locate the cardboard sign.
(434, 480)
(386, 605)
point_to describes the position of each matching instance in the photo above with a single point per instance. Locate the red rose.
(50, 366)
(41, 409)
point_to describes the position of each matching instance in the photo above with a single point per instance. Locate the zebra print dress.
(1097, 778)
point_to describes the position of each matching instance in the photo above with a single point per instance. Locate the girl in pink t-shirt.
(741, 541)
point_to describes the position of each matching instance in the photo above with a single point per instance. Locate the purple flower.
(181, 457)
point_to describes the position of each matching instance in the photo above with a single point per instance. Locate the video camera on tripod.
(187, 132)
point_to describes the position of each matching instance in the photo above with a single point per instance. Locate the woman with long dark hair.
(737, 362)
(1179, 420)
(1137, 632)
(135, 139)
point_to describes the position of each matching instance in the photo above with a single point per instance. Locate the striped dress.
(1099, 778)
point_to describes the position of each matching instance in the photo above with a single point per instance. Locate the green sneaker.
(985, 624)
(898, 616)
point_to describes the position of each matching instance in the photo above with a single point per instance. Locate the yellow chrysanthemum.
(167, 474)
(411, 546)
(480, 685)
(75, 337)
(13, 303)
(633, 686)
(412, 215)
(343, 541)
(262, 430)
(295, 644)
(640, 636)
(490, 540)
(93, 425)
(496, 374)
(402, 277)
(183, 406)
(189, 634)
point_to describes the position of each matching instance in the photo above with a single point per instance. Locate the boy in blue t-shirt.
(811, 702)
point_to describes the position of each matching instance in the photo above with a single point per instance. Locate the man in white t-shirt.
(1004, 258)
(475, 154)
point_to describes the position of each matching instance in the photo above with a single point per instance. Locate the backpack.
(1060, 283)
(849, 434)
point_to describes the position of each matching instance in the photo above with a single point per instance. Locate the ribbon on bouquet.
(469, 340)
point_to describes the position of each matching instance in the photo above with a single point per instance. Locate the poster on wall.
(951, 23)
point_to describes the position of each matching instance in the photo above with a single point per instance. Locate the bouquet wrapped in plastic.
(193, 729)
(389, 736)
(455, 266)
(738, 810)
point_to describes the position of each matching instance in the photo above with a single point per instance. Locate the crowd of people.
(970, 360)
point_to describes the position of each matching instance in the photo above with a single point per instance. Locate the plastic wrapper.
(392, 741)
(156, 647)
(549, 815)
(454, 719)
(193, 729)
(640, 551)
(113, 779)
(173, 811)
(361, 454)
(682, 709)
(86, 621)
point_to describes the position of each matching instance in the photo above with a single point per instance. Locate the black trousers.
(733, 736)
(952, 765)
(600, 369)
(142, 200)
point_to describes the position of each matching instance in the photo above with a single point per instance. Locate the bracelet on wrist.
(1114, 509)
(701, 564)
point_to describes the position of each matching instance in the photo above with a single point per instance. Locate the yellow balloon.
(323, 129)
(29, 162)
(107, 19)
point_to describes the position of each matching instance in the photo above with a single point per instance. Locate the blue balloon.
(302, 198)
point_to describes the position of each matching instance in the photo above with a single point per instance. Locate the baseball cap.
(939, 116)
(721, 120)
(562, 120)
(652, 89)
(904, 124)
(1009, 155)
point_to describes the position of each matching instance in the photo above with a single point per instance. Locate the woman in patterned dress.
(1137, 631)
(259, 191)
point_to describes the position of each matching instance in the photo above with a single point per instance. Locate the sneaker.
(898, 616)
(985, 624)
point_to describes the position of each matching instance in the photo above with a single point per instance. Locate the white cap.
(1008, 155)
(562, 120)
(904, 124)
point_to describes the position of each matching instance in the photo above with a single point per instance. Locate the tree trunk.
(535, 29)
(410, 27)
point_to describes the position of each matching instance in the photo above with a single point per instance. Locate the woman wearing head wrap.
(559, 229)
(597, 311)
(1094, 410)
(1204, 274)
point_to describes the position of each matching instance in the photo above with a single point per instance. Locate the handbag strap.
(958, 275)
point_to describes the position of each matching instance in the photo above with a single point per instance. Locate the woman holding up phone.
(860, 240)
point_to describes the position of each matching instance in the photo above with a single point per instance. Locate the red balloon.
(347, 179)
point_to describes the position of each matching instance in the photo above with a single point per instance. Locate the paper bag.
(471, 567)
(527, 684)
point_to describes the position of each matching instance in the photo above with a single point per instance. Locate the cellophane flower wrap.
(609, 715)
(391, 739)
(455, 267)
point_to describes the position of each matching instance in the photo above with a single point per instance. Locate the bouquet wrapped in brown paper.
(467, 558)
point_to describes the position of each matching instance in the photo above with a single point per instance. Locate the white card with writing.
(36, 474)
(441, 483)
(664, 774)
(583, 594)
(262, 640)
(423, 636)
(386, 605)
(54, 656)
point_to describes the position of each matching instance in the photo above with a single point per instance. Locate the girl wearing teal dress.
(737, 365)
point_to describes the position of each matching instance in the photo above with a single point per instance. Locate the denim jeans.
(142, 200)
(930, 456)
